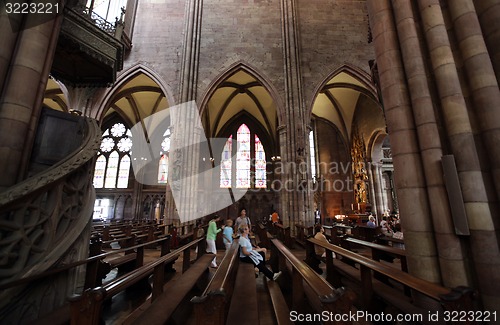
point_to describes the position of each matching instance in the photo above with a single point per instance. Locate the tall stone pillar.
(24, 75)
(294, 153)
(409, 177)
(187, 137)
(475, 182)
(488, 13)
(481, 80)
(383, 190)
(9, 27)
(451, 259)
(378, 190)
(373, 200)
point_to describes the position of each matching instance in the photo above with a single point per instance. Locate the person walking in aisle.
(211, 235)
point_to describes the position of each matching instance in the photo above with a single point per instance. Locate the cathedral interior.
(170, 111)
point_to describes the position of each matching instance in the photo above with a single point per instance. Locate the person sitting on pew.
(398, 234)
(319, 235)
(255, 256)
(371, 222)
(385, 227)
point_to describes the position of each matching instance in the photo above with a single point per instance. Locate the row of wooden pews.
(413, 295)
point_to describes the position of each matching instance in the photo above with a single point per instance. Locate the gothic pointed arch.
(241, 86)
(338, 97)
(137, 81)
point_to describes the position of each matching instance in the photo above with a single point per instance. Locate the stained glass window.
(100, 167)
(260, 164)
(243, 157)
(163, 169)
(164, 159)
(239, 173)
(123, 172)
(226, 164)
(313, 155)
(107, 144)
(112, 167)
(118, 130)
(112, 170)
(125, 144)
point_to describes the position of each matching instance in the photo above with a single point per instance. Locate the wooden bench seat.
(213, 304)
(244, 307)
(174, 292)
(122, 260)
(280, 307)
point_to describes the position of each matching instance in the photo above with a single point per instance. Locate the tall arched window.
(249, 168)
(312, 152)
(112, 168)
(163, 163)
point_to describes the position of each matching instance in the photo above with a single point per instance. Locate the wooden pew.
(281, 310)
(380, 251)
(97, 267)
(244, 299)
(61, 315)
(303, 232)
(366, 233)
(449, 299)
(159, 309)
(307, 285)
(86, 308)
(283, 233)
(391, 241)
(212, 306)
(264, 236)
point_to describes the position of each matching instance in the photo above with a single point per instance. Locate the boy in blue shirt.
(227, 234)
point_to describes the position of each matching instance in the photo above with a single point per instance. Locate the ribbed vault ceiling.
(339, 102)
(241, 93)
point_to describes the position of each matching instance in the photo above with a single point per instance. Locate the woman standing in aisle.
(211, 235)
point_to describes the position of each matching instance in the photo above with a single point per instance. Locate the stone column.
(374, 199)
(379, 207)
(480, 78)
(409, 178)
(186, 159)
(24, 82)
(294, 146)
(451, 259)
(475, 183)
(9, 26)
(488, 13)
